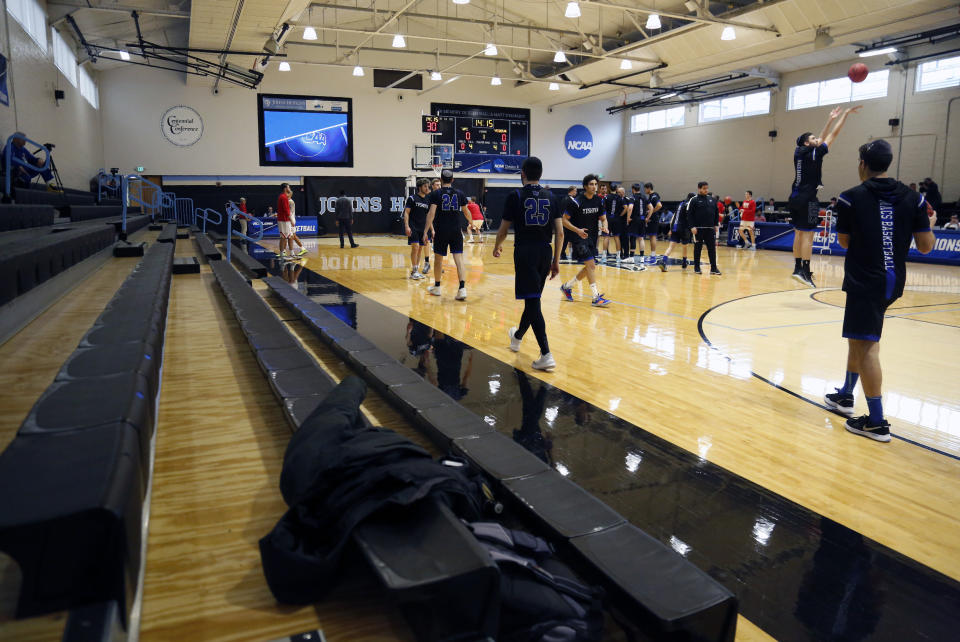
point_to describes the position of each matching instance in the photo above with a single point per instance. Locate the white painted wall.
(736, 155)
(385, 129)
(73, 126)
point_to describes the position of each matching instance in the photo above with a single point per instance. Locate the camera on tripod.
(49, 146)
(114, 170)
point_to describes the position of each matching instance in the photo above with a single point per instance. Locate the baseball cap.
(877, 155)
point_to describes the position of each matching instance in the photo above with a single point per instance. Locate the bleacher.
(76, 475)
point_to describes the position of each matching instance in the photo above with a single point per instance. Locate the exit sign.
(140, 168)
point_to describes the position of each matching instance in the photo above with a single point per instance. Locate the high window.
(63, 57)
(754, 104)
(32, 18)
(660, 119)
(838, 90)
(938, 74)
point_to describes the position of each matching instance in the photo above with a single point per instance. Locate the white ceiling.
(440, 35)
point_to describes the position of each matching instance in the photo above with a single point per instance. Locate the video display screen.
(306, 131)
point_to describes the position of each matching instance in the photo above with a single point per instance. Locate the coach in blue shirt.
(876, 221)
(23, 174)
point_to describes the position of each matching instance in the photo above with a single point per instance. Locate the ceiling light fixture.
(309, 33)
(495, 81)
(284, 66)
(490, 50)
(728, 33)
(554, 87)
(573, 10)
(878, 52)
(399, 42)
(461, 1)
(358, 71)
(435, 75)
(626, 64)
(670, 95)
(124, 55)
(653, 21)
(559, 57)
(823, 38)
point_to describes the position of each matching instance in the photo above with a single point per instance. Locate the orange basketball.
(858, 72)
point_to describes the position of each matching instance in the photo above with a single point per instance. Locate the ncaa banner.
(377, 201)
(779, 236)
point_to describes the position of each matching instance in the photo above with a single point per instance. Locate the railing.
(162, 205)
(10, 160)
(109, 185)
(184, 212)
(203, 214)
(234, 211)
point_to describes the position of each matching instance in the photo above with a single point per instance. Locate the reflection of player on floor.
(679, 233)
(415, 223)
(284, 227)
(535, 216)
(585, 224)
(875, 223)
(445, 203)
(803, 203)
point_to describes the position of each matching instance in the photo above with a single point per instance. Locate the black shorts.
(616, 225)
(680, 236)
(416, 236)
(635, 228)
(532, 265)
(804, 212)
(652, 227)
(451, 239)
(863, 317)
(584, 249)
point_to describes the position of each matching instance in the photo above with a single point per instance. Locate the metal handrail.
(203, 213)
(11, 160)
(233, 210)
(103, 188)
(160, 198)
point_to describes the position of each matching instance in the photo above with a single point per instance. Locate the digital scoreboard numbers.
(484, 139)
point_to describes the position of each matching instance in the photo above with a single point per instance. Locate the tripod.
(48, 148)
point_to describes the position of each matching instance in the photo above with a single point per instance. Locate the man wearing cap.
(876, 221)
(803, 203)
(23, 175)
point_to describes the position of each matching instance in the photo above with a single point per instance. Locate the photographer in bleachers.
(22, 176)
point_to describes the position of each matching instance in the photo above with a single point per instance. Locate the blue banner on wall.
(4, 96)
(779, 236)
(306, 226)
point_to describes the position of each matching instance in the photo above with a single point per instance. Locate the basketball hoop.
(437, 168)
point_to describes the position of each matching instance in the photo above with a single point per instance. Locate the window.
(63, 57)
(88, 88)
(32, 18)
(938, 74)
(838, 90)
(660, 119)
(735, 107)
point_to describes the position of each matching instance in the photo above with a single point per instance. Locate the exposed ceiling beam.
(410, 36)
(702, 18)
(380, 29)
(78, 5)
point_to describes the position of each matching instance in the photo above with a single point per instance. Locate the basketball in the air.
(858, 72)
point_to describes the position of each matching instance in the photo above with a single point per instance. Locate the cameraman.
(23, 175)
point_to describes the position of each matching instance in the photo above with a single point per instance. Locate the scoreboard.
(484, 139)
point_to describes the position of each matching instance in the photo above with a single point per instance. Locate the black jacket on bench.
(337, 472)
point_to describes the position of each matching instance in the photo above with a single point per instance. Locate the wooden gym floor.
(644, 360)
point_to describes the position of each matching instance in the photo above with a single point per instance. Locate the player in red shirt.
(283, 220)
(476, 220)
(748, 214)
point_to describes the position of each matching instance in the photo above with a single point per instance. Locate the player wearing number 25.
(536, 218)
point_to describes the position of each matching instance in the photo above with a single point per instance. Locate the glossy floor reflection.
(783, 520)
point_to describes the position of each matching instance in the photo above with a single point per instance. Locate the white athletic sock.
(571, 283)
(595, 290)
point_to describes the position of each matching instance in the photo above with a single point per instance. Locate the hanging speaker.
(772, 133)
(894, 122)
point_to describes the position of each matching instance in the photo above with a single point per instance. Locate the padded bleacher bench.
(248, 263)
(70, 515)
(186, 265)
(207, 247)
(672, 598)
(89, 212)
(444, 581)
(16, 216)
(169, 234)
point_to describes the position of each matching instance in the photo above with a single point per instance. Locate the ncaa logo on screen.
(578, 141)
